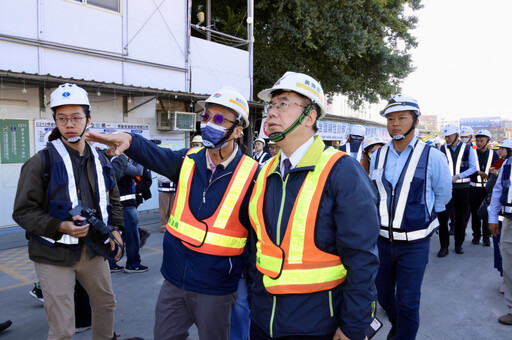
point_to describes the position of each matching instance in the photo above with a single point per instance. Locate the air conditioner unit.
(175, 121)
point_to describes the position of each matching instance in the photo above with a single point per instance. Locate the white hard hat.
(259, 140)
(437, 140)
(483, 132)
(357, 130)
(271, 143)
(197, 139)
(450, 129)
(372, 141)
(300, 83)
(466, 131)
(69, 94)
(507, 143)
(401, 103)
(230, 98)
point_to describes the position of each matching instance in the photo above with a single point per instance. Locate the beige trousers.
(58, 285)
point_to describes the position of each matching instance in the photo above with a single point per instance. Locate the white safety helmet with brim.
(260, 140)
(507, 143)
(466, 131)
(398, 103)
(231, 99)
(450, 129)
(302, 84)
(483, 132)
(70, 94)
(357, 130)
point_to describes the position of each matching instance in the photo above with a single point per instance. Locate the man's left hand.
(117, 235)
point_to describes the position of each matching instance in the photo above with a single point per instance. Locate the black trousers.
(82, 307)
(460, 201)
(257, 333)
(480, 227)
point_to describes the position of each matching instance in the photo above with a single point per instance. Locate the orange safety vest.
(297, 266)
(222, 233)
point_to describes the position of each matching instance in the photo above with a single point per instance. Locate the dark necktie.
(287, 165)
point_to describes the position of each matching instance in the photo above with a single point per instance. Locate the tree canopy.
(360, 48)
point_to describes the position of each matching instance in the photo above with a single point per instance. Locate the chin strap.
(76, 139)
(224, 139)
(279, 136)
(400, 137)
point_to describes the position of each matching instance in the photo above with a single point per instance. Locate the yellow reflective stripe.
(253, 204)
(306, 276)
(271, 263)
(211, 237)
(234, 193)
(305, 198)
(310, 89)
(185, 173)
(239, 104)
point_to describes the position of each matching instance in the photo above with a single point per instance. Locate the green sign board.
(14, 141)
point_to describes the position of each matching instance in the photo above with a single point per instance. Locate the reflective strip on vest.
(406, 185)
(127, 197)
(383, 203)
(457, 165)
(411, 235)
(209, 237)
(359, 155)
(73, 196)
(480, 181)
(297, 266)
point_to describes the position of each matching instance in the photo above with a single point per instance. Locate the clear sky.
(464, 59)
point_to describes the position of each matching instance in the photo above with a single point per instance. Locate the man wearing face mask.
(208, 227)
(466, 135)
(369, 147)
(414, 185)
(197, 141)
(485, 157)
(462, 164)
(354, 142)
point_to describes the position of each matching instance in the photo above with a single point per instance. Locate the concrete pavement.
(460, 298)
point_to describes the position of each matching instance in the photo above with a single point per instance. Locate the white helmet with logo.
(197, 139)
(507, 143)
(357, 130)
(230, 98)
(400, 102)
(450, 129)
(372, 141)
(483, 132)
(300, 83)
(466, 131)
(260, 140)
(69, 94)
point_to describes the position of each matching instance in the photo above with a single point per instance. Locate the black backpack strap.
(46, 166)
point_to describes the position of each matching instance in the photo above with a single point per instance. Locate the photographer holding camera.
(64, 238)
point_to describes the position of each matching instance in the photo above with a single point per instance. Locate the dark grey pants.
(177, 309)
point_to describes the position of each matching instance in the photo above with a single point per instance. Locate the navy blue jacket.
(347, 225)
(183, 267)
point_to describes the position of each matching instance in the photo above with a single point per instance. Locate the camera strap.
(98, 250)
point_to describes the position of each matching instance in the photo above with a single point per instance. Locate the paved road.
(460, 293)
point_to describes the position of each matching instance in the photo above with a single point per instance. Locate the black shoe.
(442, 252)
(476, 240)
(37, 293)
(5, 325)
(116, 268)
(486, 243)
(139, 269)
(459, 250)
(392, 332)
(144, 235)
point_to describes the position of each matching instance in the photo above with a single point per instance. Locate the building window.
(113, 5)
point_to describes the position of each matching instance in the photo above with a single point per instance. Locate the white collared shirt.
(297, 155)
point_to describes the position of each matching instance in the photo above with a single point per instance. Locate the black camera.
(96, 225)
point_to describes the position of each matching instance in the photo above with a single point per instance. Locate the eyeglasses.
(283, 105)
(64, 120)
(217, 119)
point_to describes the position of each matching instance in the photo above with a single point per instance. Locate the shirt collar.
(411, 144)
(298, 154)
(209, 163)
